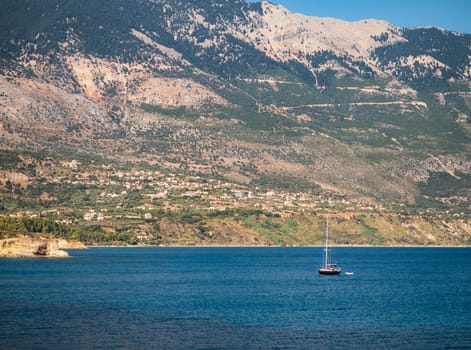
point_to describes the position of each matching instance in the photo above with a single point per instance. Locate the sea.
(237, 298)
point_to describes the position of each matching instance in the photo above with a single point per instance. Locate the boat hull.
(327, 271)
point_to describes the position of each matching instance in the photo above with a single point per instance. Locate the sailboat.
(327, 267)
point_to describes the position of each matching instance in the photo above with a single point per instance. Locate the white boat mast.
(326, 249)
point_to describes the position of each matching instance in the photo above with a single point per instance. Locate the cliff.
(28, 247)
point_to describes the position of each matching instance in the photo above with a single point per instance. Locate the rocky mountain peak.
(297, 33)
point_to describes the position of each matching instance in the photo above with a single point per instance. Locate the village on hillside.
(113, 204)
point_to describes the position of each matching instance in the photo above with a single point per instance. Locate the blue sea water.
(237, 298)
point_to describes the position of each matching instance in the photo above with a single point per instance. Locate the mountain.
(246, 92)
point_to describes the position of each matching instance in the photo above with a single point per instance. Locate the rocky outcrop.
(65, 244)
(28, 247)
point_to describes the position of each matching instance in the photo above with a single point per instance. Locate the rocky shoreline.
(29, 247)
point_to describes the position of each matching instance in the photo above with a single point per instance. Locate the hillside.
(246, 93)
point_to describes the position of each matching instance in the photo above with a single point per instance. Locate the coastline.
(28, 247)
(273, 246)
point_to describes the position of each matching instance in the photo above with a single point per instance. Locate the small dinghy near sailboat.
(327, 267)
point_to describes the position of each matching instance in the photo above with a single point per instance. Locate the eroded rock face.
(41, 250)
(50, 249)
(27, 247)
